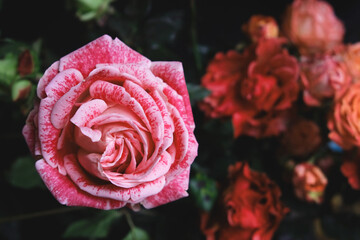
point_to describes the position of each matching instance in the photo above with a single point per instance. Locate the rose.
(344, 123)
(350, 168)
(259, 27)
(250, 207)
(323, 78)
(312, 26)
(309, 182)
(351, 56)
(301, 138)
(111, 128)
(223, 72)
(268, 90)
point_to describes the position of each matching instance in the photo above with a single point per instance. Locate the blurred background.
(190, 31)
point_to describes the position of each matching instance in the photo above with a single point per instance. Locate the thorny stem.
(38, 214)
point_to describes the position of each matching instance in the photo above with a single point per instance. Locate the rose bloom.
(270, 88)
(351, 56)
(323, 78)
(250, 208)
(111, 128)
(350, 168)
(222, 74)
(301, 138)
(309, 182)
(312, 26)
(343, 124)
(259, 27)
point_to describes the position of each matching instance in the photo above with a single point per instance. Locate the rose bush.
(111, 128)
(250, 207)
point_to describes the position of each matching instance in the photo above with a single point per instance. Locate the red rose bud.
(309, 182)
(250, 208)
(323, 78)
(301, 138)
(20, 90)
(25, 63)
(260, 27)
(344, 122)
(312, 26)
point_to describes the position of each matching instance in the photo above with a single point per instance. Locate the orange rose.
(309, 182)
(260, 27)
(344, 124)
(352, 59)
(312, 26)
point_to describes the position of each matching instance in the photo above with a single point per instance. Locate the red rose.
(309, 182)
(111, 128)
(222, 75)
(250, 207)
(260, 27)
(269, 88)
(323, 78)
(350, 168)
(312, 26)
(301, 138)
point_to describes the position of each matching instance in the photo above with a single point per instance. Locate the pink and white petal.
(49, 74)
(62, 83)
(179, 166)
(174, 190)
(102, 50)
(152, 113)
(29, 131)
(172, 73)
(121, 53)
(109, 191)
(88, 111)
(117, 94)
(64, 190)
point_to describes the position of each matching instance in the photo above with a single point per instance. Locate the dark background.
(218, 28)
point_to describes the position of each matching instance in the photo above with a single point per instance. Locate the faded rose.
(260, 27)
(250, 208)
(344, 122)
(309, 182)
(111, 128)
(301, 138)
(312, 26)
(323, 78)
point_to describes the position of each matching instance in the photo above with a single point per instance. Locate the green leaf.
(23, 174)
(196, 92)
(8, 67)
(21, 89)
(137, 234)
(204, 190)
(96, 227)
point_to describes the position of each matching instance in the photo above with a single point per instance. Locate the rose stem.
(38, 214)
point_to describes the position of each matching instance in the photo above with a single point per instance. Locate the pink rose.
(111, 128)
(323, 78)
(309, 182)
(312, 26)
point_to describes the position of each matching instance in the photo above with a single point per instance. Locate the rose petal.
(64, 190)
(49, 74)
